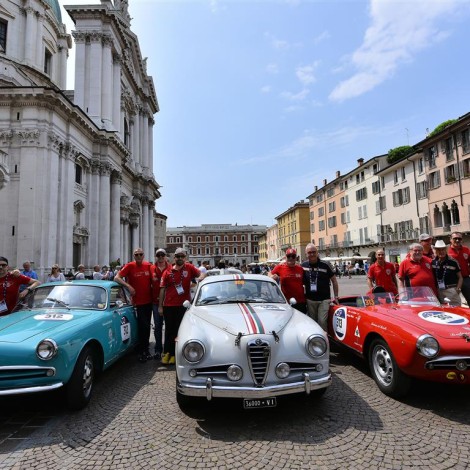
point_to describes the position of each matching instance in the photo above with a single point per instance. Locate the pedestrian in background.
(55, 275)
(318, 277)
(28, 272)
(138, 280)
(80, 274)
(426, 240)
(461, 253)
(160, 266)
(97, 274)
(290, 276)
(175, 288)
(447, 275)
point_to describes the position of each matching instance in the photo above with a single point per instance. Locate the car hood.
(246, 318)
(21, 326)
(438, 321)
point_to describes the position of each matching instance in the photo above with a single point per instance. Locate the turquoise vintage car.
(62, 335)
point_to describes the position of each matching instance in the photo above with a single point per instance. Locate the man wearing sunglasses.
(175, 288)
(318, 277)
(461, 253)
(160, 266)
(10, 286)
(138, 275)
(290, 276)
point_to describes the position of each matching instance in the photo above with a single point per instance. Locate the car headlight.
(316, 346)
(46, 349)
(427, 346)
(234, 373)
(193, 351)
(282, 370)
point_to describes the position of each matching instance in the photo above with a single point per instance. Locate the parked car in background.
(404, 337)
(240, 338)
(62, 335)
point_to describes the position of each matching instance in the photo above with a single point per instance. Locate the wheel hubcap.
(383, 367)
(87, 376)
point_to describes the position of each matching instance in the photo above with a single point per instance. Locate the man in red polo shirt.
(382, 273)
(175, 288)
(461, 253)
(10, 286)
(291, 275)
(416, 270)
(138, 275)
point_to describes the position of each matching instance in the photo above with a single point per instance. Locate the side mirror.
(186, 304)
(292, 301)
(119, 303)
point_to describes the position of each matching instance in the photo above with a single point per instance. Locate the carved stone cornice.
(79, 36)
(27, 136)
(95, 167)
(107, 40)
(116, 177)
(6, 136)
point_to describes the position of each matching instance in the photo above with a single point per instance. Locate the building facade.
(293, 228)
(237, 244)
(76, 166)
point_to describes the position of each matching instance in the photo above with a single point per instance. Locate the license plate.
(249, 403)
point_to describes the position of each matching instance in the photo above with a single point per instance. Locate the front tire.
(385, 371)
(80, 385)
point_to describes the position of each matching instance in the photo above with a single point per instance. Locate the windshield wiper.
(60, 302)
(209, 300)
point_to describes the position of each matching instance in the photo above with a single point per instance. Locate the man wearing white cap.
(425, 240)
(447, 274)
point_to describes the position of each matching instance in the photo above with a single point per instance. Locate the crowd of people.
(159, 289)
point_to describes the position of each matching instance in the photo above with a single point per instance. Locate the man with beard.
(175, 288)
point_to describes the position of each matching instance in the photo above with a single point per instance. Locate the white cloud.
(306, 73)
(398, 31)
(281, 44)
(300, 96)
(323, 36)
(266, 89)
(272, 68)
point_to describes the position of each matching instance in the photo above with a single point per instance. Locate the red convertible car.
(408, 336)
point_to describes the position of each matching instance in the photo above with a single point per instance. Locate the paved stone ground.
(134, 421)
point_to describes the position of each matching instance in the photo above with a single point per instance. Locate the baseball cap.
(180, 251)
(291, 251)
(424, 236)
(161, 250)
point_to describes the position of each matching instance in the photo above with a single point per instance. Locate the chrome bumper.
(209, 390)
(20, 391)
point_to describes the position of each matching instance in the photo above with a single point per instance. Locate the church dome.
(55, 7)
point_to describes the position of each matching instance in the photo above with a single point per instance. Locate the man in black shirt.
(318, 276)
(447, 275)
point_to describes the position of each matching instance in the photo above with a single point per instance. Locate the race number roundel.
(125, 329)
(443, 318)
(340, 323)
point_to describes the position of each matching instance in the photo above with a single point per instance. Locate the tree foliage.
(398, 152)
(442, 126)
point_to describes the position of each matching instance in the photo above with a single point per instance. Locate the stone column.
(107, 92)
(105, 215)
(150, 152)
(115, 251)
(80, 69)
(39, 44)
(136, 142)
(152, 229)
(145, 143)
(95, 78)
(30, 32)
(118, 116)
(94, 212)
(145, 225)
(135, 239)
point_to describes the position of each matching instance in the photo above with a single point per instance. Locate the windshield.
(239, 290)
(417, 296)
(68, 296)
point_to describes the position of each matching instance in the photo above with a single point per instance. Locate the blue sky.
(262, 100)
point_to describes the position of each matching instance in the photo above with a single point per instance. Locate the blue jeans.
(157, 330)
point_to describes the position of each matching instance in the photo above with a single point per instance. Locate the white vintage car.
(240, 338)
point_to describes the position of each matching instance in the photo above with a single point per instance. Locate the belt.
(451, 285)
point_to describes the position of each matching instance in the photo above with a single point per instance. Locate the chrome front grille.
(259, 354)
(25, 372)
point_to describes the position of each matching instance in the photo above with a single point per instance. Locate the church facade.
(76, 166)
